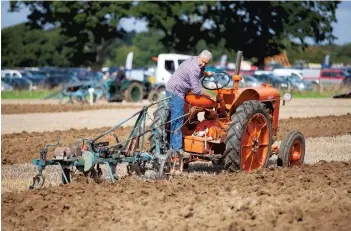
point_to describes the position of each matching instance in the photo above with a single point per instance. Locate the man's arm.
(195, 84)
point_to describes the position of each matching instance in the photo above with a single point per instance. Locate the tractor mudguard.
(245, 95)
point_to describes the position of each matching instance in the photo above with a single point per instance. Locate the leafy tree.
(145, 45)
(316, 54)
(257, 28)
(90, 27)
(24, 47)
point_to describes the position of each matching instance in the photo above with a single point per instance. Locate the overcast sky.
(341, 28)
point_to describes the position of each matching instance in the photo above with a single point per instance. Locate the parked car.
(55, 80)
(273, 80)
(298, 84)
(6, 87)
(18, 83)
(250, 81)
(247, 81)
(36, 78)
(332, 76)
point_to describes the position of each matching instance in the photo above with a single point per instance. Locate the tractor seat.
(200, 101)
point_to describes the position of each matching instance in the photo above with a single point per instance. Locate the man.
(121, 75)
(185, 79)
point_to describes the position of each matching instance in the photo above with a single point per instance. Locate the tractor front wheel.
(249, 138)
(292, 149)
(134, 93)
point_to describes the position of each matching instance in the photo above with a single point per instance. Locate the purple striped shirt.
(186, 78)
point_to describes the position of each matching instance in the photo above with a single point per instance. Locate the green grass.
(24, 94)
(311, 94)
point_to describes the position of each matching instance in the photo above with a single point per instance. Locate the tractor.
(237, 131)
(130, 90)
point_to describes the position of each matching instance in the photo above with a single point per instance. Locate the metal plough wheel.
(38, 181)
(171, 165)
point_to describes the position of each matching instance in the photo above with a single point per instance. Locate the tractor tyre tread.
(152, 95)
(128, 95)
(232, 153)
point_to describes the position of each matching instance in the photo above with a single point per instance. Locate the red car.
(332, 76)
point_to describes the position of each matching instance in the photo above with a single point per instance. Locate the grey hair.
(206, 53)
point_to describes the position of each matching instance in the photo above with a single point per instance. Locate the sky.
(341, 28)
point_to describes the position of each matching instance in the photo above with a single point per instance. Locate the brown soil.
(313, 197)
(23, 147)
(49, 108)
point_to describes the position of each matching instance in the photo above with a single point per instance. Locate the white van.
(287, 72)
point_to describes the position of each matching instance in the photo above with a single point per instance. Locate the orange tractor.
(237, 130)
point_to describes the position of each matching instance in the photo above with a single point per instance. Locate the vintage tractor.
(236, 130)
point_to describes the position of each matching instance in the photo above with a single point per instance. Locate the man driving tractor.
(186, 78)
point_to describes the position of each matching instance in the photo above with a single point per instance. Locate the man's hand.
(208, 95)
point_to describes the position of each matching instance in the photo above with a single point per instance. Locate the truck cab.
(166, 66)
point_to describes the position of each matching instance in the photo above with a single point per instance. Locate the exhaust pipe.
(237, 78)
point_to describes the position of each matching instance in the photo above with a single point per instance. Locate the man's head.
(204, 58)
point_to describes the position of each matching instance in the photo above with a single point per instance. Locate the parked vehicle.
(298, 84)
(18, 83)
(246, 81)
(273, 80)
(55, 80)
(287, 72)
(324, 77)
(330, 77)
(36, 78)
(11, 73)
(6, 87)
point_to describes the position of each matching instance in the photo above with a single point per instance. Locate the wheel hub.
(255, 145)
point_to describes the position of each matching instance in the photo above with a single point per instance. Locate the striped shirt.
(186, 78)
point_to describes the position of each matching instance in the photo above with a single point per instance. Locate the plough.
(88, 155)
(79, 92)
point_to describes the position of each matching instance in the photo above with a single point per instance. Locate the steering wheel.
(216, 81)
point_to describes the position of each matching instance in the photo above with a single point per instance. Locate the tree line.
(85, 33)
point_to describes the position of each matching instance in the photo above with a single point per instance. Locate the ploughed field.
(315, 196)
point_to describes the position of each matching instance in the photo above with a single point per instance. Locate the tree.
(257, 28)
(145, 45)
(23, 47)
(91, 27)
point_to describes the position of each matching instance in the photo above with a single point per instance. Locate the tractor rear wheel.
(292, 149)
(161, 115)
(249, 138)
(134, 93)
